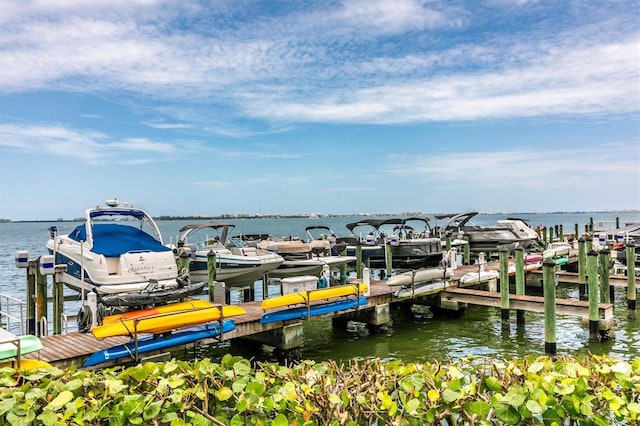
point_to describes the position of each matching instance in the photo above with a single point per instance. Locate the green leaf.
(493, 384)
(280, 420)
(412, 406)
(60, 400)
(535, 407)
(72, 385)
(224, 393)
(450, 395)
(507, 414)
(334, 399)
(48, 418)
(152, 410)
(479, 408)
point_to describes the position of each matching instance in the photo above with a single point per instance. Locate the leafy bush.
(592, 390)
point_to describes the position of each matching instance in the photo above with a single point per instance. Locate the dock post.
(520, 287)
(211, 273)
(359, 260)
(343, 269)
(561, 232)
(617, 222)
(448, 242)
(589, 244)
(577, 231)
(388, 258)
(590, 224)
(549, 289)
(631, 281)
(41, 300)
(605, 288)
(183, 263)
(504, 286)
(551, 234)
(467, 254)
(58, 298)
(594, 318)
(582, 268)
(32, 267)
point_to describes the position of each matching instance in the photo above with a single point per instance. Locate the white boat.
(237, 264)
(478, 277)
(422, 275)
(118, 253)
(556, 249)
(302, 258)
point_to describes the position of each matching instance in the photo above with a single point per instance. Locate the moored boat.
(236, 263)
(119, 254)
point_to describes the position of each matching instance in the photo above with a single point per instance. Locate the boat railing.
(44, 327)
(10, 305)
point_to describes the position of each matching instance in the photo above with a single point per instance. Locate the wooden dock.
(73, 348)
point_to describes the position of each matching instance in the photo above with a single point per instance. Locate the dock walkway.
(63, 350)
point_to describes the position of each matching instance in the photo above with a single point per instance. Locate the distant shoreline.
(317, 216)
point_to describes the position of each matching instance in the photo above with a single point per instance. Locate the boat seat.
(249, 251)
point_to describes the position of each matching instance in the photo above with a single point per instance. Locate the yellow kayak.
(164, 309)
(26, 364)
(313, 295)
(161, 323)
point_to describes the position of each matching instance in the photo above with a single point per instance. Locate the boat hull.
(421, 289)
(419, 276)
(234, 271)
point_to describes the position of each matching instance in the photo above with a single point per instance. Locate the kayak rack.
(220, 338)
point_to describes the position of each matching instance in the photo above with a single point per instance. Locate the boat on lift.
(236, 263)
(118, 253)
(507, 233)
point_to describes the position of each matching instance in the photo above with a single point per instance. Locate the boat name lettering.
(141, 268)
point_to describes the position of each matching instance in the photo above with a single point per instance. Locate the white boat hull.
(419, 276)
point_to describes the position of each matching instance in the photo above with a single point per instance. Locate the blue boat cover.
(112, 239)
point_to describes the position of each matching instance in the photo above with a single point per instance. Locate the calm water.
(414, 334)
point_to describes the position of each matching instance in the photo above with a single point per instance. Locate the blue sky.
(367, 106)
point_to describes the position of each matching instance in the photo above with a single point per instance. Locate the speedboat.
(118, 253)
(236, 263)
(411, 247)
(507, 233)
(302, 258)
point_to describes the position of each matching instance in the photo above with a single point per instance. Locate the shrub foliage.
(591, 390)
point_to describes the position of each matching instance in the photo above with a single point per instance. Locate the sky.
(330, 107)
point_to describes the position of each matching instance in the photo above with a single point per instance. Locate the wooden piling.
(590, 224)
(211, 273)
(617, 222)
(592, 273)
(582, 268)
(520, 282)
(604, 257)
(359, 260)
(631, 280)
(32, 267)
(504, 286)
(589, 247)
(549, 289)
(561, 232)
(448, 242)
(577, 231)
(467, 254)
(58, 298)
(388, 259)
